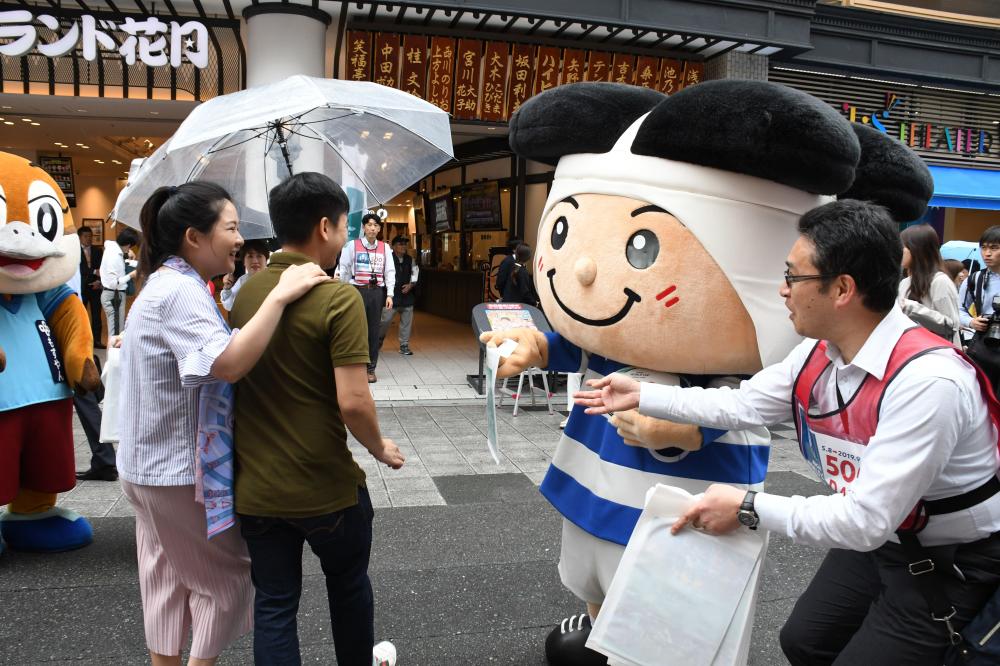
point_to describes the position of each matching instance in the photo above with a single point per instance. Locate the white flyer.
(493, 356)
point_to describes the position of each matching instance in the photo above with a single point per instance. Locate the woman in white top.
(175, 346)
(927, 294)
(255, 255)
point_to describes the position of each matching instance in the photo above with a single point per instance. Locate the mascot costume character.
(46, 352)
(659, 253)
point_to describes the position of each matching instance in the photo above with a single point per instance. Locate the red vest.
(369, 262)
(834, 442)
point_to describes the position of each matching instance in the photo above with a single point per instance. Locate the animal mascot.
(659, 253)
(46, 352)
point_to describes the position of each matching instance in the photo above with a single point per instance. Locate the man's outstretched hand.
(613, 393)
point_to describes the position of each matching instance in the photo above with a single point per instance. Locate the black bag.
(986, 357)
(980, 644)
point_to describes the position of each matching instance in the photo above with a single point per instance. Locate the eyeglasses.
(791, 279)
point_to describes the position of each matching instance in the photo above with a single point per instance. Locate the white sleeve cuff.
(657, 399)
(196, 368)
(774, 512)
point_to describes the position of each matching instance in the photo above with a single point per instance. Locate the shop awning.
(957, 187)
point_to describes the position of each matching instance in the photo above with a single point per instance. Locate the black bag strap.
(983, 275)
(930, 581)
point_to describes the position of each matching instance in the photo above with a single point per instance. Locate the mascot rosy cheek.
(46, 352)
(659, 253)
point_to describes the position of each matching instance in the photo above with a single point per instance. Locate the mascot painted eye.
(559, 231)
(45, 212)
(642, 249)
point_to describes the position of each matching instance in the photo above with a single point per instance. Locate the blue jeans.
(342, 541)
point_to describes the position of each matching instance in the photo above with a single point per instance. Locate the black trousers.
(864, 608)
(374, 300)
(102, 454)
(92, 304)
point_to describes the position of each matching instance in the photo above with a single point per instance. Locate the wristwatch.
(746, 515)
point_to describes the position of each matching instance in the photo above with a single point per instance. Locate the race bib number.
(841, 461)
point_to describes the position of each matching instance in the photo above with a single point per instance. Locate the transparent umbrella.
(373, 140)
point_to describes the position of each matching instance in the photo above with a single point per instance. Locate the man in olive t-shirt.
(296, 480)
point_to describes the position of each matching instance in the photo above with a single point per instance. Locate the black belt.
(965, 500)
(115, 291)
(369, 286)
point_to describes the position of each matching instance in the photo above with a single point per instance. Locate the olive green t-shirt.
(292, 458)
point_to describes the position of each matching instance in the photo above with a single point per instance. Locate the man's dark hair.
(371, 217)
(128, 237)
(522, 253)
(298, 204)
(991, 235)
(84, 230)
(859, 239)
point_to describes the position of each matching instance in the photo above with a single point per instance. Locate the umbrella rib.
(348, 165)
(255, 136)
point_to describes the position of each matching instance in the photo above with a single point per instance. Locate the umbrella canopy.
(373, 140)
(961, 250)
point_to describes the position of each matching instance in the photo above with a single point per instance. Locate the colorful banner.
(386, 59)
(413, 74)
(495, 68)
(359, 56)
(547, 70)
(598, 66)
(522, 66)
(441, 72)
(467, 78)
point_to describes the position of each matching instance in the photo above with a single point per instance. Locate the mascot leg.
(36, 463)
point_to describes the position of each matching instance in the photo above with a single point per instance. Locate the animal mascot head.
(46, 352)
(659, 253)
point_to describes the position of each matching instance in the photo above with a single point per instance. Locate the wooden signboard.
(522, 60)
(574, 64)
(647, 72)
(694, 72)
(359, 56)
(441, 74)
(623, 68)
(671, 76)
(598, 66)
(547, 71)
(467, 78)
(386, 59)
(413, 73)
(495, 67)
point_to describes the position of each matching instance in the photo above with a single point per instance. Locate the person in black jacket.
(90, 281)
(403, 297)
(505, 267)
(520, 287)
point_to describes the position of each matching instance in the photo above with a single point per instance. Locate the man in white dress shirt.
(895, 423)
(115, 279)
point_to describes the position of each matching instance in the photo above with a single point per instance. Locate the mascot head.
(665, 233)
(38, 247)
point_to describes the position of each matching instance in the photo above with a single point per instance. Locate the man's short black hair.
(298, 204)
(84, 230)
(991, 235)
(400, 239)
(371, 217)
(128, 237)
(859, 239)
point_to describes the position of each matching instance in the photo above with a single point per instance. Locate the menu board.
(440, 213)
(481, 206)
(61, 170)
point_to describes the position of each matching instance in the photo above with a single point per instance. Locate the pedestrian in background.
(176, 342)
(520, 287)
(403, 296)
(927, 294)
(506, 266)
(957, 271)
(254, 257)
(90, 281)
(364, 264)
(296, 479)
(115, 278)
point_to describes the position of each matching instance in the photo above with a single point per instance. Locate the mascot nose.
(586, 270)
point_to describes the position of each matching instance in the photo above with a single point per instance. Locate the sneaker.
(566, 644)
(384, 654)
(562, 424)
(371, 377)
(405, 350)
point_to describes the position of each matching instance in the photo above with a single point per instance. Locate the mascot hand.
(90, 378)
(653, 433)
(532, 350)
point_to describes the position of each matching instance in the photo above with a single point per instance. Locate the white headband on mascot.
(746, 224)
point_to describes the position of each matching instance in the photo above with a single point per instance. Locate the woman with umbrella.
(175, 350)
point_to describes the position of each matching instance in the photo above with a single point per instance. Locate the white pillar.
(284, 39)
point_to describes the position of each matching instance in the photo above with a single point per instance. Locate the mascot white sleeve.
(660, 251)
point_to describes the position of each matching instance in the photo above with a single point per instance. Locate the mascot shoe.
(51, 531)
(567, 644)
